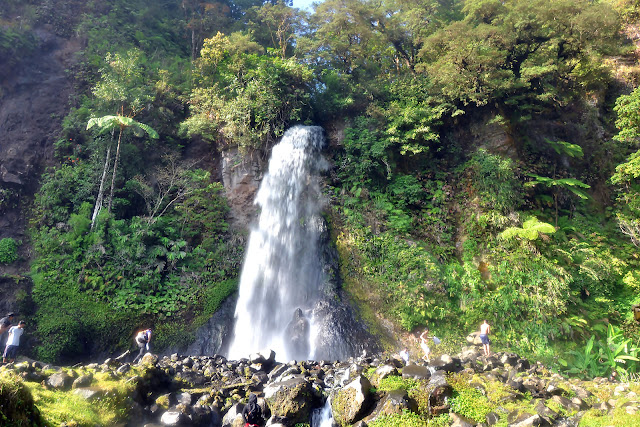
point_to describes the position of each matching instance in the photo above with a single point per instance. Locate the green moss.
(395, 382)
(17, 407)
(406, 419)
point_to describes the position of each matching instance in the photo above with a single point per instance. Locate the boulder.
(439, 392)
(174, 418)
(82, 381)
(233, 414)
(474, 338)
(383, 372)
(292, 399)
(60, 381)
(416, 372)
(352, 402)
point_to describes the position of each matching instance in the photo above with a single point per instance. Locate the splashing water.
(282, 273)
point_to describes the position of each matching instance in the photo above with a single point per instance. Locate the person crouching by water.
(485, 329)
(13, 341)
(252, 413)
(142, 339)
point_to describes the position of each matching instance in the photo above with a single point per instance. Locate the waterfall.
(282, 275)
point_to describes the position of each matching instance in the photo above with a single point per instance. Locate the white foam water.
(282, 271)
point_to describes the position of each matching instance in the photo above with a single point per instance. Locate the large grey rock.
(293, 399)
(233, 414)
(474, 338)
(416, 372)
(60, 381)
(352, 402)
(82, 381)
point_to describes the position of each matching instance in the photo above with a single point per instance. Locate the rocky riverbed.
(467, 389)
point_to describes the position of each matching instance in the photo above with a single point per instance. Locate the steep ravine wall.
(33, 100)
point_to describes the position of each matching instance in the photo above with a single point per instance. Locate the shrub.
(8, 250)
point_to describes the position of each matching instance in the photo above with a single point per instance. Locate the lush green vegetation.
(485, 165)
(8, 250)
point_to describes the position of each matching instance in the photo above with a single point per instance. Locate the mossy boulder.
(352, 402)
(293, 399)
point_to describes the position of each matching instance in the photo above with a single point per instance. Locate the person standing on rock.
(423, 344)
(5, 324)
(485, 329)
(13, 341)
(142, 340)
(252, 413)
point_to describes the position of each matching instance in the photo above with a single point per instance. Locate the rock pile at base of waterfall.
(211, 391)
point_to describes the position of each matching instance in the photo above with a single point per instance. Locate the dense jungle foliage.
(485, 159)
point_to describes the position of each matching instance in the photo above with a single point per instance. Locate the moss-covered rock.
(293, 399)
(16, 403)
(351, 403)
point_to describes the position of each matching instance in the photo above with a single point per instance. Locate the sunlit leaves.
(530, 230)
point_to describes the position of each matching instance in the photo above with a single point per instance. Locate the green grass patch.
(395, 382)
(406, 419)
(59, 407)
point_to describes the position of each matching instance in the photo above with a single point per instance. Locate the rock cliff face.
(34, 97)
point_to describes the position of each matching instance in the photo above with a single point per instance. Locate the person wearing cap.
(142, 340)
(5, 324)
(13, 341)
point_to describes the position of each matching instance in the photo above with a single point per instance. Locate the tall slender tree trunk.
(98, 206)
(115, 169)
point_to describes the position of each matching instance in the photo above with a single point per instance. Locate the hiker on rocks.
(404, 355)
(13, 341)
(5, 324)
(252, 413)
(423, 344)
(485, 329)
(142, 339)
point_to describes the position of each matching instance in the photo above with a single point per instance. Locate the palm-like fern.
(106, 124)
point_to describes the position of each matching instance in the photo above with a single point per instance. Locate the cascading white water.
(282, 274)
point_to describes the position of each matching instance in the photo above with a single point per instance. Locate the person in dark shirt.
(252, 413)
(5, 324)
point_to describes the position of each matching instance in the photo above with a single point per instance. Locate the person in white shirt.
(13, 341)
(142, 340)
(485, 329)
